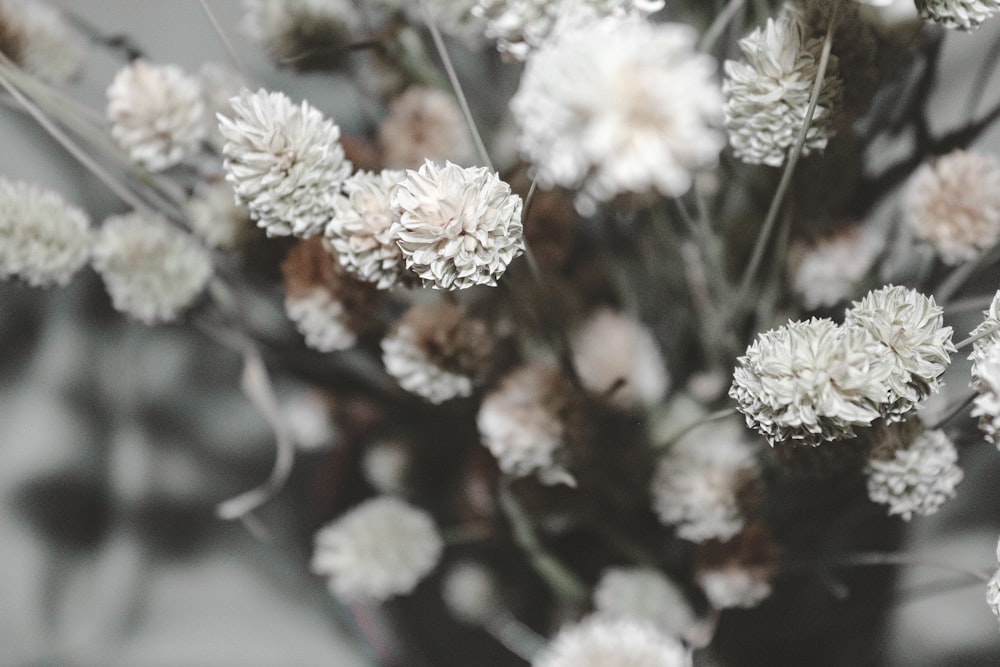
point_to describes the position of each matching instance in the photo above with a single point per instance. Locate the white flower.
(152, 270)
(993, 589)
(732, 587)
(308, 419)
(986, 382)
(406, 361)
(619, 106)
(157, 114)
(912, 327)
(215, 216)
(385, 466)
(697, 484)
(961, 14)
(424, 124)
(469, 590)
(457, 227)
(812, 381)
(520, 26)
(360, 229)
(918, 479)
(285, 162)
(827, 271)
(303, 34)
(953, 203)
(43, 240)
(599, 642)
(382, 548)
(617, 357)
(643, 594)
(322, 319)
(37, 37)
(768, 95)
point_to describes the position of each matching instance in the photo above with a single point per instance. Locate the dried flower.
(215, 216)
(619, 106)
(37, 38)
(738, 572)
(308, 418)
(386, 466)
(953, 203)
(827, 271)
(380, 549)
(43, 240)
(469, 590)
(598, 642)
(643, 594)
(284, 162)
(812, 381)
(986, 382)
(157, 114)
(302, 34)
(151, 269)
(424, 124)
(960, 14)
(618, 358)
(438, 352)
(916, 478)
(912, 327)
(993, 589)
(457, 227)
(767, 96)
(360, 229)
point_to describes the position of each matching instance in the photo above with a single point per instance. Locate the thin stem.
(875, 558)
(442, 50)
(719, 25)
(237, 61)
(953, 412)
(966, 305)
(518, 638)
(960, 275)
(980, 85)
(707, 419)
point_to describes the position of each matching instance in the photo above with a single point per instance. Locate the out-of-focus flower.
(912, 327)
(386, 465)
(469, 590)
(308, 420)
(215, 216)
(302, 34)
(767, 96)
(825, 272)
(382, 548)
(812, 381)
(738, 572)
(157, 114)
(600, 642)
(953, 203)
(960, 14)
(986, 383)
(43, 240)
(643, 594)
(457, 227)
(219, 84)
(37, 37)
(284, 161)
(152, 270)
(993, 588)
(619, 106)
(424, 124)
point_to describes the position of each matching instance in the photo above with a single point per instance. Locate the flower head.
(470, 592)
(826, 272)
(38, 38)
(284, 161)
(43, 240)
(960, 14)
(738, 572)
(599, 642)
(152, 270)
(215, 216)
(424, 124)
(380, 549)
(157, 114)
(457, 227)
(643, 594)
(993, 588)
(985, 359)
(302, 34)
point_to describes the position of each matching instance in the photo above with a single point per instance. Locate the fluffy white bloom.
(732, 587)
(827, 271)
(37, 37)
(522, 422)
(215, 216)
(599, 642)
(912, 327)
(457, 227)
(812, 381)
(360, 229)
(381, 548)
(953, 203)
(285, 162)
(767, 96)
(157, 114)
(469, 590)
(43, 240)
(697, 484)
(993, 589)
(303, 34)
(611, 349)
(406, 360)
(986, 382)
(152, 270)
(385, 466)
(961, 14)
(918, 479)
(520, 26)
(322, 319)
(619, 106)
(646, 595)
(308, 419)
(424, 124)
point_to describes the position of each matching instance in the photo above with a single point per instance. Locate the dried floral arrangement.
(623, 338)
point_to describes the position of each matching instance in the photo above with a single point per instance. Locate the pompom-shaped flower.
(470, 592)
(827, 271)
(285, 162)
(619, 106)
(302, 34)
(157, 114)
(953, 203)
(457, 227)
(812, 381)
(916, 478)
(767, 96)
(360, 230)
(152, 270)
(698, 484)
(424, 124)
(599, 642)
(986, 382)
(643, 594)
(38, 38)
(912, 327)
(961, 14)
(215, 216)
(43, 240)
(738, 572)
(993, 589)
(380, 549)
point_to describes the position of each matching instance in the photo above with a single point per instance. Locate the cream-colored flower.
(993, 588)
(424, 124)
(916, 478)
(646, 595)
(826, 272)
(37, 37)
(600, 642)
(302, 34)
(961, 14)
(986, 383)
(215, 216)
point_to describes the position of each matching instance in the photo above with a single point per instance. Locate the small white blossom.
(382, 548)
(152, 270)
(424, 124)
(961, 14)
(38, 38)
(285, 162)
(157, 114)
(302, 34)
(43, 240)
(457, 227)
(385, 466)
(827, 271)
(993, 588)
(598, 642)
(215, 216)
(619, 106)
(646, 595)
(322, 319)
(733, 587)
(407, 361)
(308, 420)
(986, 382)
(918, 479)
(469, 590)
(767, 96)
